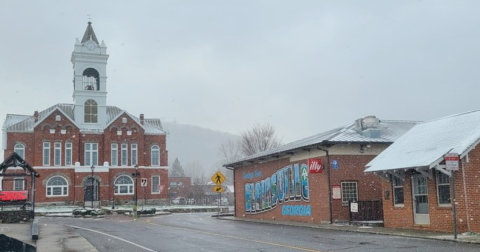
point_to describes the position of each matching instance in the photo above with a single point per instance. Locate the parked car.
(224, 202)
(191, 201)
(179, 201)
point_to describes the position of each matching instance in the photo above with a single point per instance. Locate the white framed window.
(18, 184)
(134, 153)
(46, 153)
(20, 150)
(68, 153)
(443, 189)
(397, 191)
(155, 184)
(124, 154)
(155, 154)
(57, 154)
(123, 185)
(91, 111)
(349, 192)
(91, 154)
(114, 151)
(57, 186)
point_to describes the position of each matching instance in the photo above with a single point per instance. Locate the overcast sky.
(302, 66)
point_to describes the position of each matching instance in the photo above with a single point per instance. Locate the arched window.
(155, 151)
(57, 186)
(124, 185)
(20, 150)
(91, 80)
(91, 111)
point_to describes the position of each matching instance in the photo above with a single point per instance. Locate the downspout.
(234, 193)
(329, 185)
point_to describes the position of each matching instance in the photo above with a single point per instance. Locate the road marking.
(240, 238)
(118, 238)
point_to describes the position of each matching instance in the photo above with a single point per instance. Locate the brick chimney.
(35, 115)
(142, 119)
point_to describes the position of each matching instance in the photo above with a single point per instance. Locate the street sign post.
(451, 162)
(218, 178)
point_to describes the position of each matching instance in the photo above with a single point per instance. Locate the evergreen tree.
(177, 169)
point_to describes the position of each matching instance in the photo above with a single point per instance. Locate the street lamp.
(93, 168)
(136, 174)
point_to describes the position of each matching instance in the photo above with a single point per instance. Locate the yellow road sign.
(218, 178)
(218, 189)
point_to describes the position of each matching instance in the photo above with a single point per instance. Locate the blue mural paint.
(297, 183)
(297, 210)
(268, 193)
(252, 175)
(248, 199)
(274, 190)
(280, 185)
(304, 175)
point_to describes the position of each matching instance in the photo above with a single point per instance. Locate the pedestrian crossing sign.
(218, 178)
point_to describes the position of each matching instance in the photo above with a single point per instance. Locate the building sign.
(451, 161)
(314, 165)
(336, 193)
(287, 184)
(335, 164)
(354, 207)
(143, 182)
(13, 195)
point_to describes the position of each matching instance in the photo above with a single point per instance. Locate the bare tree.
(229, 151)
(197, 173)
(260, 137)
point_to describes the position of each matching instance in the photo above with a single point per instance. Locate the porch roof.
(425, 145)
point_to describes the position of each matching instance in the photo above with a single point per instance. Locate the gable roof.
(390, 130)
(26, 123)
(426, 144)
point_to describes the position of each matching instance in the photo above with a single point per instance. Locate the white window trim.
(152, 150)
(114, 147)
(117, 191)
(393, 193)
(68, 147)
(345, 203)
(23, 183)
(134, 154)
(21, 147)
(124, 147)
(438, 191)
(46, 159)
(151, 182)
(89, 154)
(57, 147)
(56, 186)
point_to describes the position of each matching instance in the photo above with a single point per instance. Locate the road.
(201, 232)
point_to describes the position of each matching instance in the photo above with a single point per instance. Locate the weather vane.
(89, 18)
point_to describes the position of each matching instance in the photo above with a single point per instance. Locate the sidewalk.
(468, 238)
(52, 238)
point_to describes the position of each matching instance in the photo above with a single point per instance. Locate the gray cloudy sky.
(302, 66)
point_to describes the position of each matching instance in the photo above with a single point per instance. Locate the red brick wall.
(34, 156)
(467, 179)
(350, 168)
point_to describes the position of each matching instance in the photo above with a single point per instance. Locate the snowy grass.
(69, 209)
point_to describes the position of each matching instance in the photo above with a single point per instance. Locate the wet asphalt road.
(201, 232)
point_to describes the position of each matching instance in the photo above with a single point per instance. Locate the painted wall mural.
(287, 184)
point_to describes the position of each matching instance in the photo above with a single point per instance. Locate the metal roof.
(426, 144)
(26, 123)
(390, 130)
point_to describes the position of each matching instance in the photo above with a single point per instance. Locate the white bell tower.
(89, 60)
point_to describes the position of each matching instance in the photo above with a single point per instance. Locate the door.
(91, 190)
(420, 200)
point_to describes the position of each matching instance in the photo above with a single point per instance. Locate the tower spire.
(89, 33)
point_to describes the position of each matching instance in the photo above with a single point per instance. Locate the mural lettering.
(287, 184)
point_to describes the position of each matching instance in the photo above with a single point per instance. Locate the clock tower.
(89, 59)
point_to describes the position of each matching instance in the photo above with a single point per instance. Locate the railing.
(371, 210)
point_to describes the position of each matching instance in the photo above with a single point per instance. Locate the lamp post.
(136, 174)
(93, 168)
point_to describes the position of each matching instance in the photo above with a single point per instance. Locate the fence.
(366, 210)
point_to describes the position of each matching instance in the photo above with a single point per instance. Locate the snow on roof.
(426, 144)
(26, 123)
(390, 130)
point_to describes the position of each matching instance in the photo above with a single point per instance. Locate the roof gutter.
(329, 184)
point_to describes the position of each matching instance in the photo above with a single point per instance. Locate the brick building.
(416, 183)
(88, 151)
(313, 179)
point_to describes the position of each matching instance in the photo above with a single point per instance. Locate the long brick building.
(315, 178)
(88, 151)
